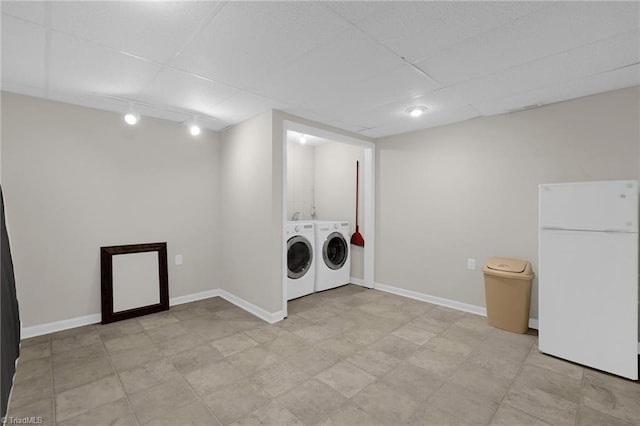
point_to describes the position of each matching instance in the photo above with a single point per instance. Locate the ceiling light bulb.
(303, 139)
(131, 118)
(194, 129)
(416, 111)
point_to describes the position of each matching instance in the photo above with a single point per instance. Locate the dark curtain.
(10, 327)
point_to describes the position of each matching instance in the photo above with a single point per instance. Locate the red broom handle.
(357, 189)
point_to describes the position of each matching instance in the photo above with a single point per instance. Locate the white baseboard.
(454, 304)
(270, 317)
(357, 281)
(478, 310)
(194, 297)
(52, 327)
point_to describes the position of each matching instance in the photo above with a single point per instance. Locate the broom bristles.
(357, 239)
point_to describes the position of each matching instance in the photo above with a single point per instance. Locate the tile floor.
(346, 356)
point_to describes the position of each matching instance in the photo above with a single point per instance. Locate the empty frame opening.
(135, 280)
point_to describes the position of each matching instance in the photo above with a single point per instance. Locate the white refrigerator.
(588, 274)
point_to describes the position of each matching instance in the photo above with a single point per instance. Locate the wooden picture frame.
(106, 268)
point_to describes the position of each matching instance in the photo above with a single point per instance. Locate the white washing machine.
(301, 265)
(333, 264)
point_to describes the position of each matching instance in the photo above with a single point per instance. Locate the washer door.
(299, 256)
(335, 251)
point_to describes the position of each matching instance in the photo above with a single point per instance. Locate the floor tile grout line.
(514, 380)
(515, 376)
(184, 379)
(54, 420)
(198, 399)
(115, 371)
(161, 383)
(580, 399)
(465, 359)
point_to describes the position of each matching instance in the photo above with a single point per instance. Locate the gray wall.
(335, 177)
(300, 180)
(469, 190)
(251, 213)
(76, 179)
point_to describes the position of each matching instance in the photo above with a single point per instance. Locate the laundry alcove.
(319, 183)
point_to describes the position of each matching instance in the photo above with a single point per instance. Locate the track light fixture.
(131, 117)
(193, 126)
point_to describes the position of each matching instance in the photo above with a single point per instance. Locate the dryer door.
(299, 256)
(335, 250)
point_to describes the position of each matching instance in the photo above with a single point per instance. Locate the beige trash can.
(507, 286)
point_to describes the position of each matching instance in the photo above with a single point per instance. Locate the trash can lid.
(506, 264)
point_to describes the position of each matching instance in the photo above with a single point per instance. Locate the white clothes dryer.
(301, 265)
(333, 264)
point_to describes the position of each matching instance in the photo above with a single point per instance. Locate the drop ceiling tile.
(357, 11)
(23, 53)
(212, 124)
(547, 31)
(437, 103)
(243, 106)
(80, 67)
(309, 115)
(339, 124)
(32, 11)
(400, 83)
(615, 52)
(604, 82)
(147, 112)
(440, 118)
(375, 133)
(246, 40)
(416, 30)
(88, 101)
(175, 88)
(307, 59)
(329, 74)
(154, 30)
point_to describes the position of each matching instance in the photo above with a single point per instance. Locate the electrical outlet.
(471, 264)
(178, 259)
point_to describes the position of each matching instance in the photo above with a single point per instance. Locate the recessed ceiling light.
(303, 139)
(416, 111)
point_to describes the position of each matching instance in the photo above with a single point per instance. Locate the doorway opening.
(319, 184)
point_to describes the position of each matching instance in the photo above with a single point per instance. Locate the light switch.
(178, 259)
